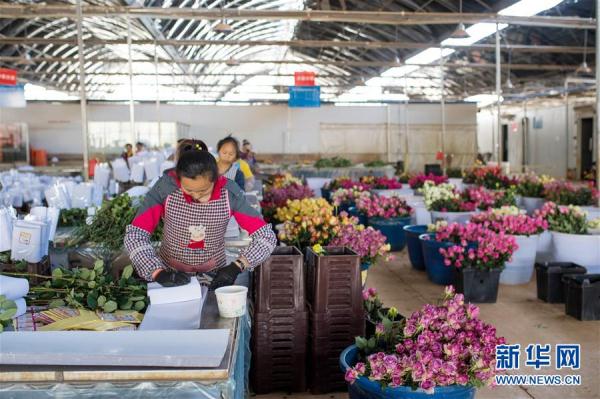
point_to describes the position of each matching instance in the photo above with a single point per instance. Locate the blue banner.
(305, 96)
(12, 96)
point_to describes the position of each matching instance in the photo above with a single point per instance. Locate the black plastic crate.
(279, 282)
(279, 351)
(549, 279)
(582, 296)
(330, 334)
(334, 280)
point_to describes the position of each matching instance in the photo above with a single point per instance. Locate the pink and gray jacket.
(194, 233)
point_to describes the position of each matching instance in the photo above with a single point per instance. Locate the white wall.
(546, 151)
(56, 127)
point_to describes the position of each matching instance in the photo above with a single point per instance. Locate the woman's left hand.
(225, 276)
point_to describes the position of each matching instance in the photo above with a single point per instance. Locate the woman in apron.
(195, 204)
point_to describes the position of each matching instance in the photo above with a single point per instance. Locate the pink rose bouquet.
(384, 207)
(440, 345)
(511, 221)
(368, 243)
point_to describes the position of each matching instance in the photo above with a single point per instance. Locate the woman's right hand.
(168, 278)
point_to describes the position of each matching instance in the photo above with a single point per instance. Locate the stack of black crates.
(307, 311)
(280, 328)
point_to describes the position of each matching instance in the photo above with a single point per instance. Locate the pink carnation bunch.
(440, 346)
(418, 181)
(368, 243)
(384, 207)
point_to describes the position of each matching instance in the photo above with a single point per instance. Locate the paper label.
(24, 238)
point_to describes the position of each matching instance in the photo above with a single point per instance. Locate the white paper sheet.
(161, 295)
(175, 316)
(13, 288)
(191, 348)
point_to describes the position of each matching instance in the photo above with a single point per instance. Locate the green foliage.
(72, 217)
(375, 164)
(91, 289)
(8, 309)
(107, 229)
(455, 173)
(335, 162)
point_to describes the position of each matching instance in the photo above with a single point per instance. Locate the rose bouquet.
(564, 219)
(486, 199)
(445, 198)
(491, 177)
(384, 183)
(347, 183)
(511, 220)
(348, 196)
(368, 243)
(309, 221)
(418, 181)
(476, 245)
(384, 207)
(275, 198)
(530, 186)
(439, 346)
(283, 180)
(564, 193)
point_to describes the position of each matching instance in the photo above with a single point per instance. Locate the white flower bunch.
(434, 227)
(441, 192)
(594, 224)
(508, 211)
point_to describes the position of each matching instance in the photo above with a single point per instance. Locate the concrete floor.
(518, 315)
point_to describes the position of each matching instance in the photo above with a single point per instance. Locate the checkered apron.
(179, 215)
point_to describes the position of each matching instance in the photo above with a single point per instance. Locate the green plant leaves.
(127, 272)
(8, 309)
(92, 289)
(110, 306)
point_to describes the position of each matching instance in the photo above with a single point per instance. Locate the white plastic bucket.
(520, 269)
(582, 249)
(452, 217)
(231, 300)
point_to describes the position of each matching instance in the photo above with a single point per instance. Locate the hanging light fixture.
(461, 31)
(223, 26)
(584, 69)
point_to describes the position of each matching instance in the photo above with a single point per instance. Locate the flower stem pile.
(93, 289)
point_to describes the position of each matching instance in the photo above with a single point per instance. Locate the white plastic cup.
(231, 300)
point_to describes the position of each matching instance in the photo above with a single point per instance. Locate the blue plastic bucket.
(393, 230)
(415, 249)
(363, 388)
(437, 271)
